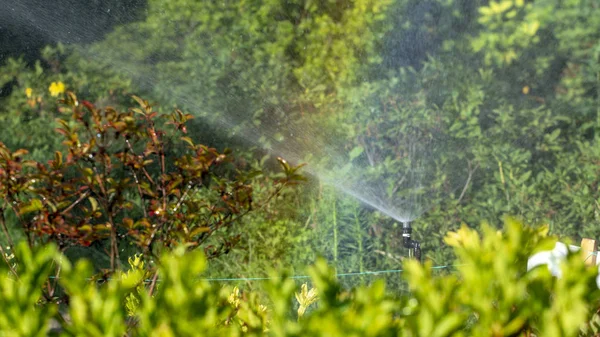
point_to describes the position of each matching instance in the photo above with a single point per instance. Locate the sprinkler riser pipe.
(406, 232)
(414, 247)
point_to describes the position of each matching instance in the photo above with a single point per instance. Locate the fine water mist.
(399, 185)
(401, 192)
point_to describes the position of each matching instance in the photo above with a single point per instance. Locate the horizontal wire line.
(376, 272)
(388, 271)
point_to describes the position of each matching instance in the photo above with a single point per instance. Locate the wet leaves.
(118, 179)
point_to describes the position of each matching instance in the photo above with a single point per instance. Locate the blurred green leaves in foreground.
(490, 294)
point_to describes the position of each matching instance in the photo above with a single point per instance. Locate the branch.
(471, 171)
(11, 243)
(396, 258)
(5, 258)
(114, 249)
(83, 196)
(137, 181)
(15, 209)
(56, 277)
(153, 283)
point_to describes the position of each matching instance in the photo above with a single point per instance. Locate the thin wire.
(229, 279)
(376, 272)
(591, 254)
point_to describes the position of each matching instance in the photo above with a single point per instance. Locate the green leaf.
(34, 206)
(93, 203)
(553, 135)
(58, 158)
(188, 140)
(357, 151)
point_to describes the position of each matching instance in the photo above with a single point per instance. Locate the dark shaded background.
(26, 26)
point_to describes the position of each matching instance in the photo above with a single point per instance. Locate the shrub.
(492, 294)
(117, 181)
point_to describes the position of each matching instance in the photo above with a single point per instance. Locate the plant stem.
(597, 96)
(471, 171)
(68, 209)
(359, 240)
(114, 249)
(11, 243)
(17, 212)
(153, 283)
(137, 181)
(335, 233)
(114, 252)
(5, 258)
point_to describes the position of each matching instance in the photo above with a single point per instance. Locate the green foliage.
(25, 310)
(503, 119)
(510, 27)
(247, 65)
(30, 107)
(184, 305)
(491, 294)
(352, 239)
(272, 237)
(93, 310)
(137, 274)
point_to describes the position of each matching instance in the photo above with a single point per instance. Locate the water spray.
(414, 247)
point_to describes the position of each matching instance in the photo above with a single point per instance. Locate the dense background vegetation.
(441, 111)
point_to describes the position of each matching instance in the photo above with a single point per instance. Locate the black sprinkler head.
(406, 232)
(414, 247)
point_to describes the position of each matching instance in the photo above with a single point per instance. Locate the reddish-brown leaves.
(114, 179)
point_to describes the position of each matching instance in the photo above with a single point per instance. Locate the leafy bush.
(117, 182)
(491, 294)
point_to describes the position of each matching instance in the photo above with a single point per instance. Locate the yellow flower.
(234, 298)
(305, 298)
(28, 92)
(56, 88)
(465, 237)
